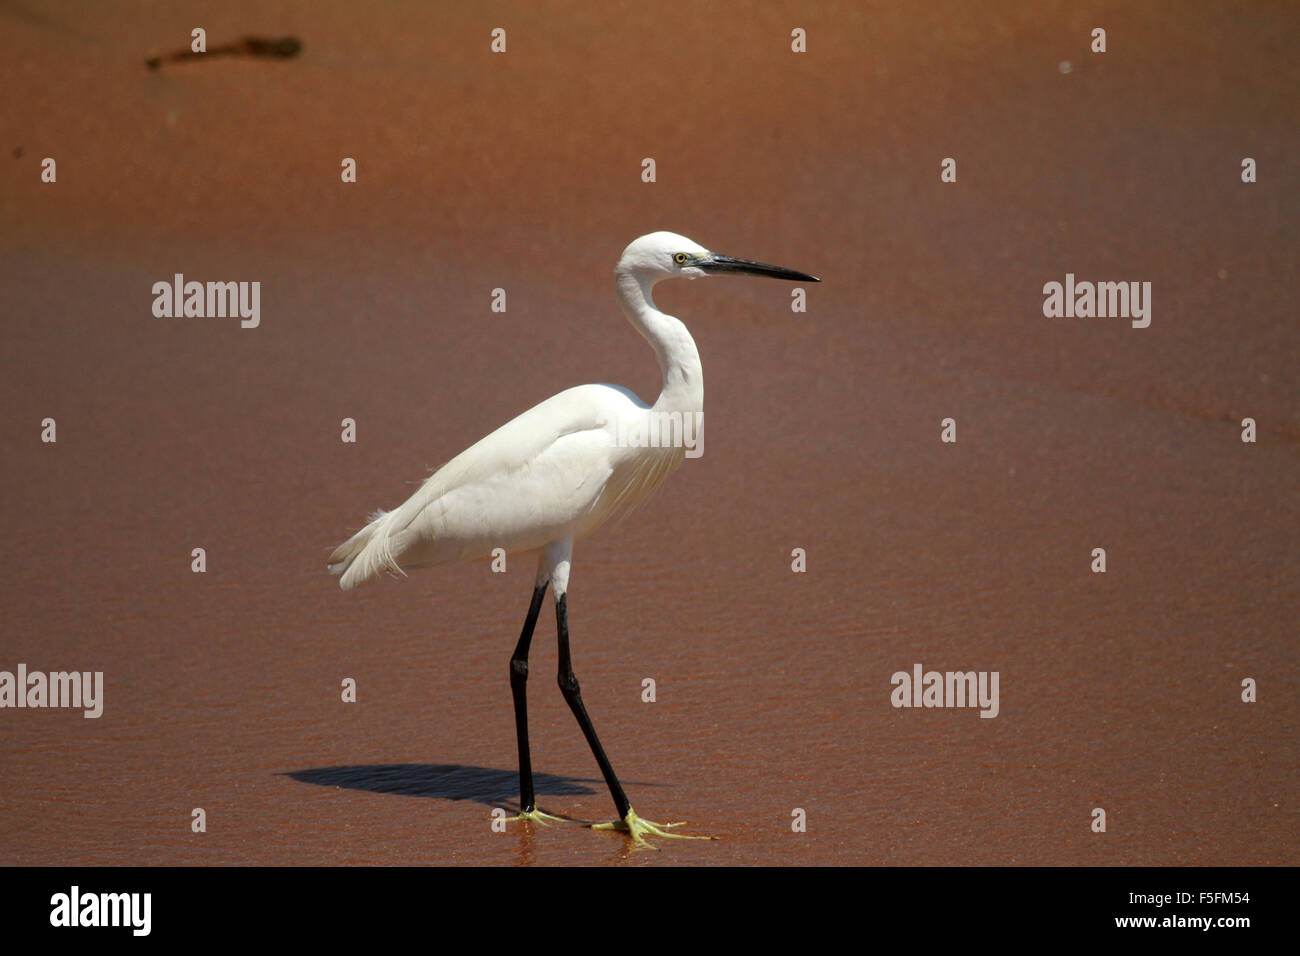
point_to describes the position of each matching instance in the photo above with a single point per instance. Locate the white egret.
(555, 474)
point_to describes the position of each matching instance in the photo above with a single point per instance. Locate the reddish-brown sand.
(522, 170)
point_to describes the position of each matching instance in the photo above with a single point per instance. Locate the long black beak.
(720, 264)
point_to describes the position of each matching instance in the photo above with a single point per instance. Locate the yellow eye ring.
(681, 258)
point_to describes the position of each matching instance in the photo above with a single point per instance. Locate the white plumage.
(559, 470)
(556, 470)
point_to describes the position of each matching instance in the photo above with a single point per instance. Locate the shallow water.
(1118, 691)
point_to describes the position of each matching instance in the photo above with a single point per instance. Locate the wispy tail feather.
(366, 554)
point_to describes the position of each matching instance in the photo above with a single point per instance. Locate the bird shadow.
(484, 785)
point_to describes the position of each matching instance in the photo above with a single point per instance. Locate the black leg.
(569, 688)
(519, 688)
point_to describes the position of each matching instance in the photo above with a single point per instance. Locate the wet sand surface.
(1118, 690)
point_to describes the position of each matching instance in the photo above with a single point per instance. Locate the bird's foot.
(536, 816)
(639, 829)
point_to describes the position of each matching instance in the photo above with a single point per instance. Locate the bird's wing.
(541, 472)
(561, 468)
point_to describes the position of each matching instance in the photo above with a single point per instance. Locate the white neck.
(679, 360)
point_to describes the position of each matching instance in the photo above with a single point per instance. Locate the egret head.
(666, 255)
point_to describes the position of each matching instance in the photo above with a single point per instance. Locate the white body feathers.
(559, 470)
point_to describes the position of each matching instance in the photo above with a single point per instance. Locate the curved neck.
(679, 360)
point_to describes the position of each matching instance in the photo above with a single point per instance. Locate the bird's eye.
(681, 258)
